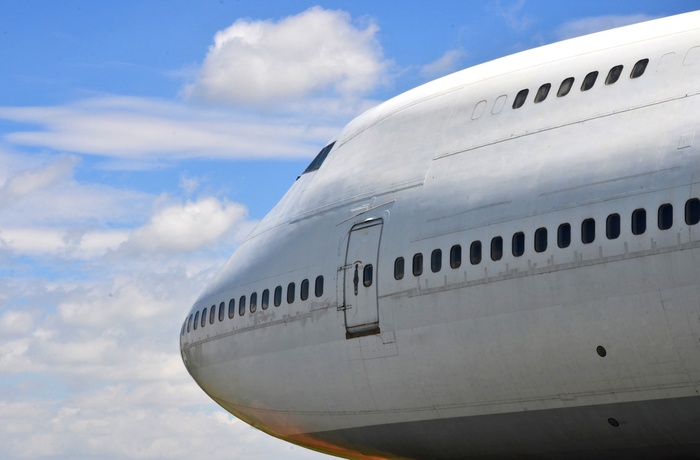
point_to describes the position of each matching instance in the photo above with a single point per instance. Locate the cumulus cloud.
(446, 64)
(186, 227)
(259, 63)
(590, 25)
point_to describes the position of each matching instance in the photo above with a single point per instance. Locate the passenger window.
(588, 231)
(204, 318)
(541, 239)
(564, 236)
(278, 296)
(189, 323)
(318, 288)
(436, 260)
(496, 248)
(499, 104)
(290, 292)
(418, 264)
(589, 81)
(692, 211)
(518, 244)
(612, 226)
(520, 98)
(212, 314)
(665, 216)
(475, 253)
(565, 87)
(639, 68)
(398, 268)
(456, 256)
(367, 275)
(639, 221)
(265, 301)
(542, 93)
(613, 75)
(231, 308)
(253, 302)
(304, 291)
(241, 306)
(222, 311)
(196, 320)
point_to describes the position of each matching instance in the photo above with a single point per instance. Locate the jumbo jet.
(501, 263)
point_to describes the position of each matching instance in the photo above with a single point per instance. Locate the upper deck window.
(639, 221)
(588, 231)
(639, 68)
(265, 301)
(496, 248)
(565, 87)
(564, 235)
(613, 75)
(231, 308)
(320, 158)
(455, 256)
(212, 314)
(518, 244)
(222, 308)
(318, 287)
(520, 98)
(692, 211)
(589, 81)
(542, 93)
(398, 268)
(418, 264)
(436, 261)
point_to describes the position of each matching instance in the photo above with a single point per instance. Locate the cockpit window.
(320, 158)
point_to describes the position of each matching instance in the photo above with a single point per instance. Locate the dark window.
(398, 268)
(520, 98)
(692, 211)
(253, 302)
(265, 301)
(456, 256)
(496, 248)
(222, 311)
(367, 275)
(613, 75)
(320, 158)
(241, 306)
(418, 264)
(475, 253)
(212, 314)
(204, 318)
(436, 260)
(542, 92)
(564, 236)
(612, 226)
(588, 231)
(589, 81)
(518, 244)
(541, 239)
(290, 292)
(318, 288)
(565, 87)
(639, 221)
(231, 308)
(304, 290)
(665, 216)
(278, 296)
(639, 68)
(189, 323)
(196, 320)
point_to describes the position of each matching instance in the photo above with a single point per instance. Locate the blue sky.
(141, 141)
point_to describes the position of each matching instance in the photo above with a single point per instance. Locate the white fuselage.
(540, 347)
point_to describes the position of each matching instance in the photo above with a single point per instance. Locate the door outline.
(360, 301)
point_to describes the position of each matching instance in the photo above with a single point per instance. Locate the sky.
(140, 142)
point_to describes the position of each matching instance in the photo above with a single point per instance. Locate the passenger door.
(360, 280)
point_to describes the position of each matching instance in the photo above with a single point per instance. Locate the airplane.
(500, 263)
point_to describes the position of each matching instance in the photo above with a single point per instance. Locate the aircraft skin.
(542, 348)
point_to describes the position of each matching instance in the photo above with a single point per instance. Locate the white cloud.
(148, 129)
(186, 227)
(30, 181)
(446, 64)
(590, 25)
(261, 62)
